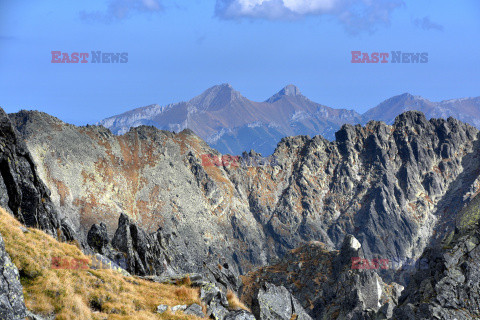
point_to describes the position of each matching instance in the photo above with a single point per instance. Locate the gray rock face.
(21, 189)
(145, 254)
(33, 316)
(223, 276)
(395, 188)
(211, 296)
(12, 305)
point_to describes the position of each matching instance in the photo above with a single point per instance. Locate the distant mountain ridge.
(231, 123)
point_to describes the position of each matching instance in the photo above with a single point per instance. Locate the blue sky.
(177, 49)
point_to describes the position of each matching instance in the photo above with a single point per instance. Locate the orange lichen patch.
(56, 126)
(154, 194)
(142, 206)
(105, 169)
(62, 190)
(429, 200)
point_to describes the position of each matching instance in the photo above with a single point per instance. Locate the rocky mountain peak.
(216, 97)
(402, 98)
(406, 95)
(288, 91)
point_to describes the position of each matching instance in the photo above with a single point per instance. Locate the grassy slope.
(83, 294)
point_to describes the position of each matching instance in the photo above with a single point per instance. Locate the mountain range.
(284, 237)
(231, 123)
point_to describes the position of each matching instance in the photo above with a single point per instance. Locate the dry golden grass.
(83, 294)
(234, 302)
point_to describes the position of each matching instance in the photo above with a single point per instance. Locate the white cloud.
(310, 6)
(356, 15)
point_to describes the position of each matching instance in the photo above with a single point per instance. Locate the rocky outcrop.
(143, 251)
(97, 238)
(21, 189)
(12, 305)
(277, 303)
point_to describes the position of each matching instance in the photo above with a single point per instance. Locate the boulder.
(277, 303)
(194, 310)
(162, 308)
(180, 307)
(240, 315)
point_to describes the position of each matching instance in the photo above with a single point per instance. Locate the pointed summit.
(290, 91)
(216, 97)
(389, 109)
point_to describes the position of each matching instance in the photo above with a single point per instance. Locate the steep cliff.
(21, 189)
(449, 285)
